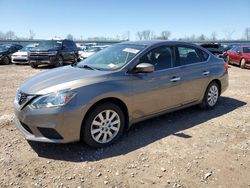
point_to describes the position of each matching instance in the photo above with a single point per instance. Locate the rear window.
(189, 55)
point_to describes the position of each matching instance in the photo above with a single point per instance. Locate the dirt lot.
(188, 148)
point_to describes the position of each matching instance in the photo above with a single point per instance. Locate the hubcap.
(213, 94)
(105, 126)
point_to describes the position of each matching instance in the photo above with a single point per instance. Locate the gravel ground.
(187, 148)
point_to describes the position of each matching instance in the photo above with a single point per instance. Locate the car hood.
(43, 49)
(3, 52)
(62, 78)
(20, 53)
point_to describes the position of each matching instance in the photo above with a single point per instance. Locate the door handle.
(205, 73)
(175, 79)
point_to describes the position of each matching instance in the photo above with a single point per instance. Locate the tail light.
(226, 66)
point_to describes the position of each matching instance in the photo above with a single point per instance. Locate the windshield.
(93, 49)
(112, 58)
(50, 44)
(3, 48)
(25, 49)
(246, 50)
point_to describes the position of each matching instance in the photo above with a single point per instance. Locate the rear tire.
(33, 65)
(211, 96)
(242, 63)
(103, 125)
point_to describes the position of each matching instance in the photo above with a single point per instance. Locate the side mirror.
(144, 68)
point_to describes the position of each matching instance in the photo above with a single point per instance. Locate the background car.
(53, 52)
(239, 55)
(90, 51)
(21, 56)
(215, 48)
(98, 98)
(6, 50)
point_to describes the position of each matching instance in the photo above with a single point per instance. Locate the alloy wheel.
(105, 126)
(212, 95)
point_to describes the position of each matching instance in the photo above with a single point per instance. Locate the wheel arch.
(113, 100)
(217, 81)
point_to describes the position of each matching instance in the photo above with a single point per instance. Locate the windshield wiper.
(87, 67)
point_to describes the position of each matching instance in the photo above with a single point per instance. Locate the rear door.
(195, 72)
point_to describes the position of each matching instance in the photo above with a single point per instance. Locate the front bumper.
(40, 60)
(57, 125)
(247, 64)
(19, 60)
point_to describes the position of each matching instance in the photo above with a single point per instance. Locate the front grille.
(23, 98)
(50, 133)
(21, 60)
(36, 54)
(26, 127)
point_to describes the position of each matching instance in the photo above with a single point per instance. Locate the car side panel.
(195, 78)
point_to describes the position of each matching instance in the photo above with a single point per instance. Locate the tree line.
(140, 35)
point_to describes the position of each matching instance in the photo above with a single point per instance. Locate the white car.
(90, 51)
(21, 56)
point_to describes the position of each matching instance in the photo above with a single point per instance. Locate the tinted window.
(188, 55)
(161, 58)
(203, 55)
(73, 45)
(238, 49)
(67, 44)
(246, 49)
(50, 44)
(234, 48)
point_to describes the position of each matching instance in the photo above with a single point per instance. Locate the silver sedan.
(98, 98)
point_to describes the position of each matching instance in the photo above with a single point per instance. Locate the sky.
(112, 18)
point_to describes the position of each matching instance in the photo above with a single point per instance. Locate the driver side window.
(161, 57)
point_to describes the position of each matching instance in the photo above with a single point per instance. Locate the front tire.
(6, 60)
(33, 65)
(59, 62)
(104, 125)
(242, 63)
(211, 96)
(227, 59)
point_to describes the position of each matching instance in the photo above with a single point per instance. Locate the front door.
(157, 91)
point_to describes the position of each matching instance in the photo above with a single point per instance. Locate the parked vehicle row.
(91, 50)
(232, 54)
(53, 52)
(6, 50)
(99, 98)
(239, 55)
(21, 56)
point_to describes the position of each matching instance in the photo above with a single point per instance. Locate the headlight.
(52, 53)
(53, 100)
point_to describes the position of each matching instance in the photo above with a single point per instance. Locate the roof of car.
(153, 42)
